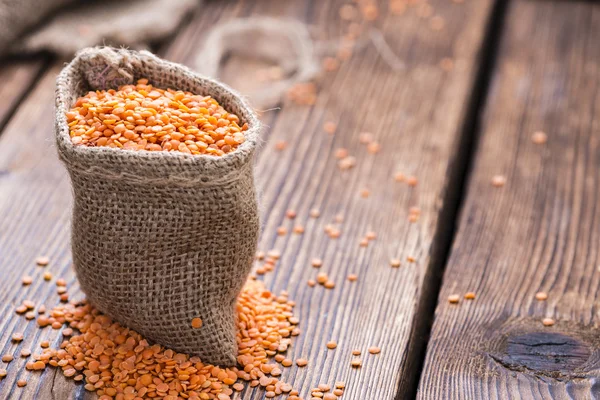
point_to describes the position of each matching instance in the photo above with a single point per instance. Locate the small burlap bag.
(160, 238)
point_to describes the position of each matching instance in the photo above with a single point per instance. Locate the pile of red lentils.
(142, 117)
(118, 363)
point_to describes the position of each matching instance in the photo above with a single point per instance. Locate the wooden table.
(478, 78)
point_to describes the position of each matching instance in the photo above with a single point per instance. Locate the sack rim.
(73, 154)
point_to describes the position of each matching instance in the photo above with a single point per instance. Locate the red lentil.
(395, 262)
(282, 231)
(3, 372)
(27, 280)
(7, 358)
(42, 261)
(142, 117)
(498, 180)
(341, 153)
(365, 138)
(25, 353)
(330, 127)
(412, 181)
(356, 352)
(453, 298)
(539, 137)
(17, 337)
(352, 277)
(299, 229)
(329, 284)
(61, 282)
(301, 362)
(399, 177)
(21, 383)
(311, 283)
(315, 213)
(541, 296)
(374, 350)
(152, 369)
(331, 345)
(317, 262)
(470, 296)
(356, 363)
(280, 145)
(47, 276)
(291, 214)
(548, 321)
(373, 147)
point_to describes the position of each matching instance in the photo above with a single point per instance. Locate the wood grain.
(16, 76)
(416, 115)
(537, 233)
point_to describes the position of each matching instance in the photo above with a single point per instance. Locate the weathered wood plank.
(537, 233)
(415, 114)
(16, 76)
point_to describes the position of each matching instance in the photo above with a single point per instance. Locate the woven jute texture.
(159, 238)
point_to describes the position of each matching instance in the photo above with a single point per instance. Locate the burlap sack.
(160, 238)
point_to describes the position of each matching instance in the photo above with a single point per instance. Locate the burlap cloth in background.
(66, 26)
(160, 238)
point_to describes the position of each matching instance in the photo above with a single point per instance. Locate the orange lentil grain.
(44, 344)
(352, 277)
(315, 213)
(365, 137)
(317, 262)
(331, 345)
(399, 177)
(25, 353)
(21, 383)
(371, 235)
(374, 350)
(410, 259)
(280, 145)
(30, 315)
(3, 372)
(364, 193)
(27, 280)
(329, 284)
(363, 242)
(47, 276)
(282, 231)
(341, 153)
(29, 304)
(17, 337)
(412, 181)
(370, 12)
(548, 321)
(61, 282)
(7, 358)
(338, 392)
(299, 229)
(470, 296)
(311, 283)
(301, 362)
(291, 214)
(373, 147)
(42, 261)
(329, 396)
(453, 298)
(541, 296)
(330, 127)
(356, 352)
(21, 309)
(498, 180)
(539, 137)
(356, 363)
(340, 385)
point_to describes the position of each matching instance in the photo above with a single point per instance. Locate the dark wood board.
(416, 114)
(16, 76)
(538, 233)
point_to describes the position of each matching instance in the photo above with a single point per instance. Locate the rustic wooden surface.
(415, 113)
(16, 76)
(540, 232)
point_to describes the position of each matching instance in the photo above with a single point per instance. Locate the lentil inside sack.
(159, 238)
